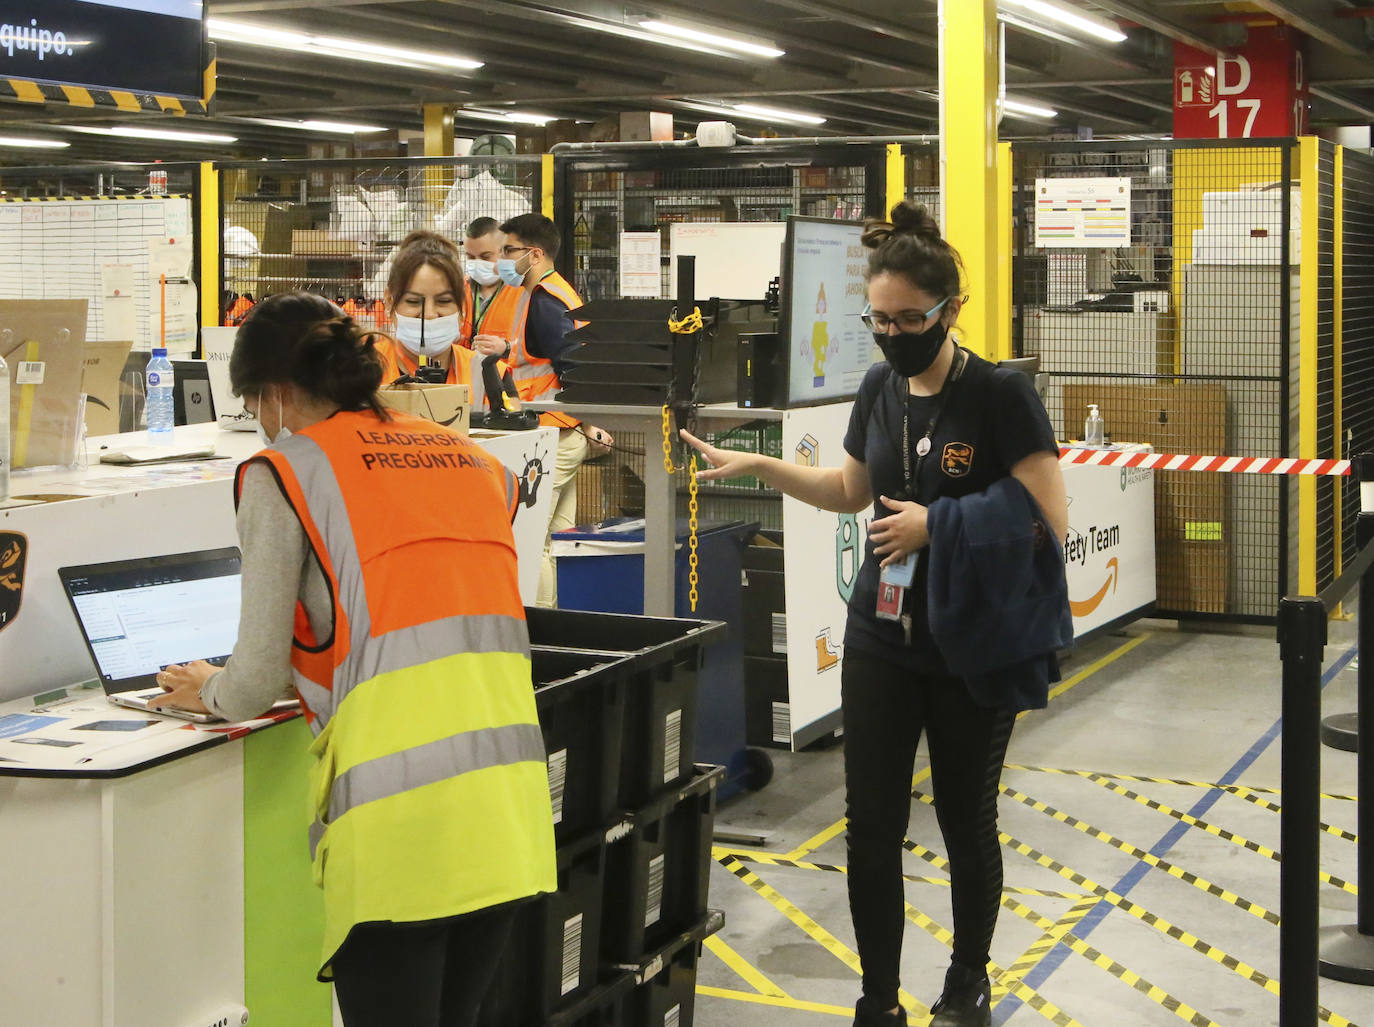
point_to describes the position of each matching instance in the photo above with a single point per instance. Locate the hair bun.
(913, 219)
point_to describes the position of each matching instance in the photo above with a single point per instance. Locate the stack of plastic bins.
(553, 958)
(664, 657)
(767, 707)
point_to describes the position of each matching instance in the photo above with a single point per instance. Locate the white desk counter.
(162, 878)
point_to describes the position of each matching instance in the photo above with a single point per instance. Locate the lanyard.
(482, 306)
(956, 368)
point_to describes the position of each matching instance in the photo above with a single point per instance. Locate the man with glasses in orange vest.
(537, 350)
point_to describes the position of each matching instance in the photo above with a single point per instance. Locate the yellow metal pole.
(438, 143)
(896, 177)
(968, 159)
(1004, 244)
(1308, 151)
(1338, 343)
(546, 186)
(210, 231)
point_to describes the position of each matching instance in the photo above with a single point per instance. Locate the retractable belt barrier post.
(1347, 951)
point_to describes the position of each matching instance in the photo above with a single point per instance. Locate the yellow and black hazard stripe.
(1249, 795)
(1186, 876)
(65, 199)
(1212, 829)
(22, 90)
(1236, 788)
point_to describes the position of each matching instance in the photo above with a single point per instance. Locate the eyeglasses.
(510, 251)
(907, 321)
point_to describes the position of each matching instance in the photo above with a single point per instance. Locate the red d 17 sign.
(1258, 91)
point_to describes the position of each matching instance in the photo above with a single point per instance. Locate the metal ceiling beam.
(1341, 101)
(1320, 26)
(1142, 16)
(218, 7)
(1139, 101)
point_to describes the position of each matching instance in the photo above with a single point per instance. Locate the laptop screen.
(138, 616)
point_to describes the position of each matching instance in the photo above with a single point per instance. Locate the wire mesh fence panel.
(1357, 335)
(651, 194)
(613, 485)
(332, 227)
(736, 499)
(105, 234)
(923, 177)
(1327, 488)
(1159, 281)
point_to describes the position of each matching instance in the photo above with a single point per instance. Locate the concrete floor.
(1153, 702)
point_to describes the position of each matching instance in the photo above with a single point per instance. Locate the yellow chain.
(692, 537)
(687, 325)
(667, 443)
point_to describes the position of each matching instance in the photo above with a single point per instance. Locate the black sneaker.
(867, 1015)
(967, 999)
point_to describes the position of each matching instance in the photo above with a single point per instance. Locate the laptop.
(139, 616)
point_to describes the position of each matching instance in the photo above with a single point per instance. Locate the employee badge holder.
(894, 582)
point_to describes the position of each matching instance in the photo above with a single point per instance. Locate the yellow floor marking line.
(1097, 665)
(1258, 790)
(779, 1003)
(768, 859)
(828, 941)
(837, 828)
(1028, 960)
(1210, 828)
(1122, 903)
(750, 974)
(1249, 795)
(1201, 883)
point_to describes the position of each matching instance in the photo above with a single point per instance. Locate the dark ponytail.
(910, 245)
(302, 339)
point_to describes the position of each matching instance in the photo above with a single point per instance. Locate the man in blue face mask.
(489, 317)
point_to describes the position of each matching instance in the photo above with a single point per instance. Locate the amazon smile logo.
(1086, 606)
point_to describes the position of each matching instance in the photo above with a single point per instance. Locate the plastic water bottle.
(1092, 427)
(161, 381)
(4, 430)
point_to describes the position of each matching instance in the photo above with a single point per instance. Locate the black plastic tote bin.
(580, 697)
(664, 657)
(657, 877)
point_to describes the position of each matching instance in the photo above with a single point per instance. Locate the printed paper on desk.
(170, 257)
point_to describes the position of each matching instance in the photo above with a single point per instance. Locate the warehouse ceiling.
(867, 67)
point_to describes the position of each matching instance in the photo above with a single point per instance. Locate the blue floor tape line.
(1054, 959)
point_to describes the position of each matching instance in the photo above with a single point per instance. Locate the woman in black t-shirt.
(931, 421)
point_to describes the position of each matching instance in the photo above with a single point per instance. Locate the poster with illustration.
(828, 347)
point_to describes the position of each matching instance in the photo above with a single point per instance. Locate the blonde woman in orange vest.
(430, 790)
(537, 350)
(427, 297)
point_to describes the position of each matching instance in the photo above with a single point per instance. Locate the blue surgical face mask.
(506, 268)
(483, 272)
(433, 337)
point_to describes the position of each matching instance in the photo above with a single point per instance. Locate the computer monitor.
(826, 348)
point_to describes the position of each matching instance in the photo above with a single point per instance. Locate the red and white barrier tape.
(1222, 464)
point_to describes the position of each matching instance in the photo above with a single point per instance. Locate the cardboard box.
(316, 242)
(103, 363)
(645, 126)
(443, 404)
(42, 342)
(815, 178)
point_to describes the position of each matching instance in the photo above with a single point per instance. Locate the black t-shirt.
(990, 420)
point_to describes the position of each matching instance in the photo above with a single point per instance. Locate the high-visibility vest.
(498, 316)
(464, 369)
(535, 376)
(429, 790)
(234, 316)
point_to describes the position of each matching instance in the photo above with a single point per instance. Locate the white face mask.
(483, 272)
(283, 431)
(439, 333)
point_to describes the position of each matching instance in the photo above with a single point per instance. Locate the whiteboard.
(735, 259)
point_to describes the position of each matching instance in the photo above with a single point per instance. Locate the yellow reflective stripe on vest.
(439, 760)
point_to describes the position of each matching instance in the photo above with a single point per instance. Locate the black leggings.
(428, 974)
(885, 709)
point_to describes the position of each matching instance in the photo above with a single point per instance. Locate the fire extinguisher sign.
(1194, 87)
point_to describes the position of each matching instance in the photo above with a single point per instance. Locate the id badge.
(900, 574)
(890, 598)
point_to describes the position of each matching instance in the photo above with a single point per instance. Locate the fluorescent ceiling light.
(626, 32)
(518, 117)
(35, 144)
(1070, 17)
(151, 133)
(224, 30)
(777, 114)
(336, 127)
(1039, 30)
(1028, 109)
(711, 38)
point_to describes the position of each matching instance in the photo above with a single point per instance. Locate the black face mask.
(911, 353)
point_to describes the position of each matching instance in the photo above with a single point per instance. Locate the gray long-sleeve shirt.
(278, 568)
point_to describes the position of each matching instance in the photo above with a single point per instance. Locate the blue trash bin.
(601, 568)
